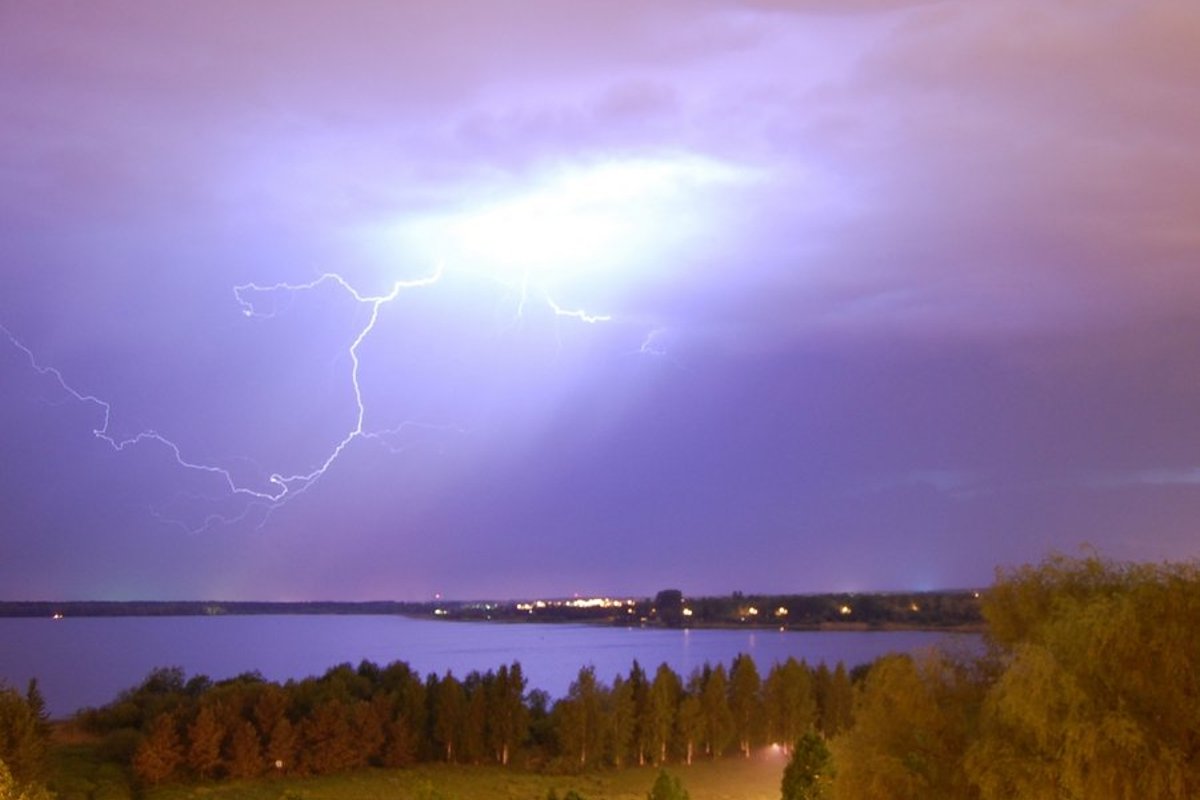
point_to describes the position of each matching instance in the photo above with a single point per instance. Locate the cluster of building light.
(846, 610)
(578, 602)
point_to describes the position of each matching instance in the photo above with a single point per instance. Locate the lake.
(86, 661)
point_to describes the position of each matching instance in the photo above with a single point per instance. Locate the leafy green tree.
(791, 707)
(809, 772)
(508, 718)
(449, 714)
(913, 724)
(745, 702)
(718, 720)
(581, 717)
(667, 787)
(665, 693)
(160, 753)
(619, 713)
(1098, 692)
(10, 789)
(689, 722)
(475, 729)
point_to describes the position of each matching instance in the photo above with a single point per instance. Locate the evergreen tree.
(809, 771)
(281, 746)
(204, 737)
(23, 737)
(667, 787)
(639, 689)
(367, 728)
(327, 741)
(159, 753)
(244, 757)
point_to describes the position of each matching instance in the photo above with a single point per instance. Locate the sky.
(380, 300)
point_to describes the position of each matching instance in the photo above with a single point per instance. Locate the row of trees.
(1091, 689)
(389, 716)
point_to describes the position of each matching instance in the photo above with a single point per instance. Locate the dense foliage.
(1092, 689)
(171, 727)
(24, 742)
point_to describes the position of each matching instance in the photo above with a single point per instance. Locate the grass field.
(82, 775)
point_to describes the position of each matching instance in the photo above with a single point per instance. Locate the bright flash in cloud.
(576, 223)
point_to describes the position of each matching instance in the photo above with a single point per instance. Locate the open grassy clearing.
(730, 779)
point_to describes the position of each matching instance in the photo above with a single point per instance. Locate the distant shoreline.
(951, 612)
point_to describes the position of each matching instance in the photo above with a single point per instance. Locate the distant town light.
(781, 612)
(846, 610)
(752, 611)
(914, 607)
(687, 612)
(439, 612)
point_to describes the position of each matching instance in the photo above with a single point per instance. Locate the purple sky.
(774, 295)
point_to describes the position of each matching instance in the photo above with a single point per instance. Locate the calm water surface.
(87, 661)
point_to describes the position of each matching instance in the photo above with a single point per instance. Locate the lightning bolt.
(280, 487)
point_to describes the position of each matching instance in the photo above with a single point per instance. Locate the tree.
(620, 715)
(581, 717)
(327, 740)
(690, 720)
(23, 737)
(745, 702)
(449, 712)
(367, 727)
(639, 689)
(204, 736)
(159, 753)
(718, 721)
(1098, 692)
(809, 772)
(791, 708)
(913, 723)
(507, 715)
(664, 703)
(10, 789)
(667, 787)
(245, 758)
(281, 746)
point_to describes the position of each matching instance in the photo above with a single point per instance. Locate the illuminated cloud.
(829, 242)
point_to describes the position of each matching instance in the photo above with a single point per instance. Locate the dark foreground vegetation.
(1090, 689)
